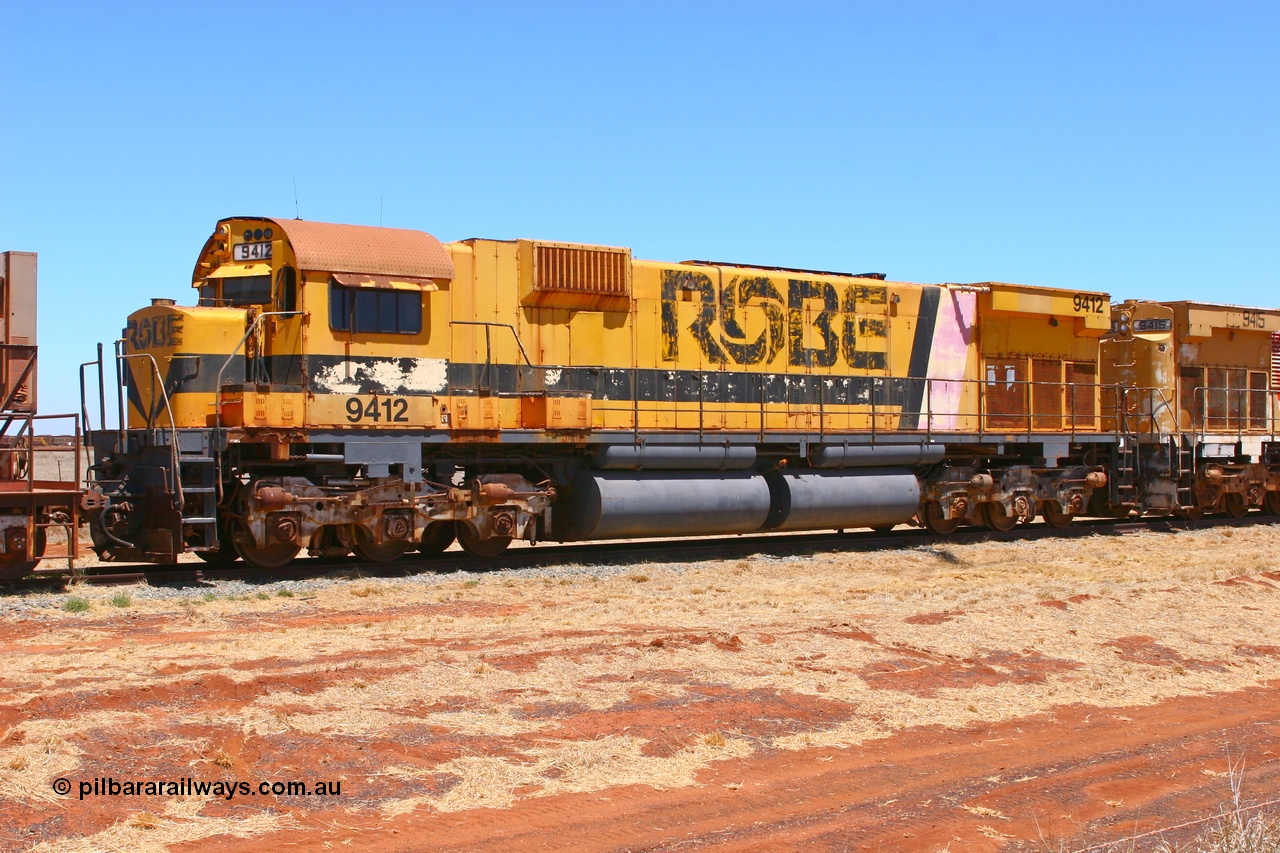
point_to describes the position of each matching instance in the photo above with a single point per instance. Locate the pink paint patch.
(949, 356)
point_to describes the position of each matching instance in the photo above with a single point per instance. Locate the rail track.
(613, 553)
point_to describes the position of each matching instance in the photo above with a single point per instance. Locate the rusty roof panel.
(329, 247)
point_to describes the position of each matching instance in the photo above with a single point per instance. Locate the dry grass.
(180, 822)
(385, 660)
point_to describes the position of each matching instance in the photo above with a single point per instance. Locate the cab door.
(282, 335)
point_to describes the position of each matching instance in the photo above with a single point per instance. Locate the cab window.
(246, 290)
(376, 310)
(287, 289)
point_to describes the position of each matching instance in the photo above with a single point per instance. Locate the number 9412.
(1089, 303)
(389, 409)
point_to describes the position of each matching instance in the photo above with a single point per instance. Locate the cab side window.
(375, 310)
(287, 289)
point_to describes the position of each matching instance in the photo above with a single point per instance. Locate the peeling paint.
(387, 376)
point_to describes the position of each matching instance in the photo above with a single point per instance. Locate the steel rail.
(629, 552)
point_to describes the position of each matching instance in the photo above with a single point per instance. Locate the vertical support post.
(102, 391)
(120, 395)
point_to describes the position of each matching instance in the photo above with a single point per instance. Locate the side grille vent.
(1275, 361)
(566, 275)
(582, 270)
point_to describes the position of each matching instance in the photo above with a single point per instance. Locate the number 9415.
(389, 409)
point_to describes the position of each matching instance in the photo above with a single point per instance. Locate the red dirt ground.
(1050, 777)
(236, 689)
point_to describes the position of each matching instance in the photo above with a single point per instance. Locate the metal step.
(199, 519)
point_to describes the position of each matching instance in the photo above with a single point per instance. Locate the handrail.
(1243, 423)
(173, 427)
(217, 388)
(102, 393)
(26, 447)
(486, 324)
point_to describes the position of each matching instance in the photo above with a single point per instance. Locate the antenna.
(296, 214)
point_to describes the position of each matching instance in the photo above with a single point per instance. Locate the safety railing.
(51, 502)
(152, 415)
(710, 400)
(1236, 412)
(254, 326)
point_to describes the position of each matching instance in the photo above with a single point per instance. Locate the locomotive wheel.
(477, 547)
(995, 516)
(1054, 517)
(1234, 505)
(436, 537)
(387, 552)
(1271, 503)
(17, 571)
(931, 518)
(271, 556)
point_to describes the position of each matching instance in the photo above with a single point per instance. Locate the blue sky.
(1124, 147)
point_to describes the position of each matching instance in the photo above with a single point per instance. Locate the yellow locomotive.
(345, 387)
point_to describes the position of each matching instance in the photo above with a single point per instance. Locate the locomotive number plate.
(252, 252)
(392, 410)
(1089, 303)
(382, 411)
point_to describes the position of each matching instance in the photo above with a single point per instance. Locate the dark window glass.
(208, 294)
(387, 313)
(246, 290)
(375, 310)
(366, 314)
(339, 308)
(409, 314)
(287, 289)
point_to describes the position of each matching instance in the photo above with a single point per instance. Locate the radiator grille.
(1082, 394)
(1046, 393)
(580, 269)
(1275, 360)
(1226, 393)
(1257, 400)
(1006, 393)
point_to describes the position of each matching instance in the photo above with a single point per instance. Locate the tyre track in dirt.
(1083, 774)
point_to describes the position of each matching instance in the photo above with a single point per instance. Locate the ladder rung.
(198, 519)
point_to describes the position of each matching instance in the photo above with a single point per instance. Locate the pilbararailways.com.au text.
(109, 786)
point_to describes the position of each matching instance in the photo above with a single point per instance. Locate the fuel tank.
(636, 504)
(820, 500)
